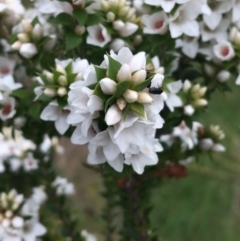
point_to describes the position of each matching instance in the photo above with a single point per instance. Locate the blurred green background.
(203, 207)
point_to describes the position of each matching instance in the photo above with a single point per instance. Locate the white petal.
(61, 124)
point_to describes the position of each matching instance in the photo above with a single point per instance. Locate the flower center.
(225, 51)
(159, 24)
(4, 70)
(100, 36)
(6, 109)
(65, 111)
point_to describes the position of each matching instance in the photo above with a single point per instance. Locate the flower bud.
(80, 30)
(121, 103)
(28, 50)
(201, 102)
(209, 70)
(60, 69)
(49, 76)
(131, 12)
(108, 86)
(237, 39)
(218, 148)
(113, 115)
(37, 32)
(110, 16)
(16, 45)
(189, 110)
(186, 85)
(8, 214)
(79, 76)
(124, 73)
(124, 11)
(139, 76)
(105, 5)
(144, 98)
(130, 96)
(202, 91)
(62, 91)
(50, 92)
(62, 80)
(19, 199)
(11, 195)
(117, 25)
(233, 33)
(23, 37)
(223, 76)
(19, 122)
(27, 26)
(117, 44)
(17, 222)
(137, 40)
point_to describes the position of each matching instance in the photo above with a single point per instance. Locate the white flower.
(184, 21)
(30, 163)
(88, 236)
(98, 35)
(173, 100)
(6, 66)
(54, 113)
(224, 51)
(8, 107)
(63, 187)
(155, 23)
(165, 4)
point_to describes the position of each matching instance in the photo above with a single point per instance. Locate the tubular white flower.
(130, 96)
(108, 86)
(113, 115)
(28, 50)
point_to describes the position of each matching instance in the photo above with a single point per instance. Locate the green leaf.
(62, 102)
(137, 108)
(121, 88)
(56, 75)
(81, 16)
(100, 72)
(23, 94)
(142, 85)
(125, 111)
(94, 19)
(34, 110)
(69, 68)
(44, 40)
(63, 18)
(71, 78)
(92, 86)
(72, 41)
(110, 101)
(113, 68)
(98, 92)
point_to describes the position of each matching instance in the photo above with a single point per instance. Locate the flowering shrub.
(127, 78)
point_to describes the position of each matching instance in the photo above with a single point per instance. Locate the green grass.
(205, 206)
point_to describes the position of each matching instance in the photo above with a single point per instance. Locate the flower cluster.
(16, 152)
(117, 115)
(19, 219)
